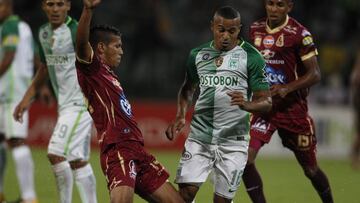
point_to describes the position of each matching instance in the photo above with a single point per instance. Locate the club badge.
(280, 41)
(218, 61)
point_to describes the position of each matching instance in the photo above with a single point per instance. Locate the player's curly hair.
(102, 33)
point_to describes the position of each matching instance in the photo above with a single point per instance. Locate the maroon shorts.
(297, 134)
(128, 164)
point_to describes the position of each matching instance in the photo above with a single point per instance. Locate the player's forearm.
(6, 62)
(39, 80)
(261, 105)
(184, 101)
(311, 77)
(82, 35)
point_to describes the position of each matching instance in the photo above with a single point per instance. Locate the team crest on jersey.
(257, 41)
(280, 41)
(218, 61)
(268, 41)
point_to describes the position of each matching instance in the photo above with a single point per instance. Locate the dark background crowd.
(158, 35)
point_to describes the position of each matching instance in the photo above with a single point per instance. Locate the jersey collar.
(278, 28)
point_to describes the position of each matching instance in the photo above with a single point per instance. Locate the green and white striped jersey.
(214, 120)
(57, 50)
(15, 35)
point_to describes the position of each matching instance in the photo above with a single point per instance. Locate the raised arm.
(83, 48)
(184, 101)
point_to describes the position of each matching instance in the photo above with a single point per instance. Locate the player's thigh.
(8, 126)
(122, 194)
(71, 136)
(229, 167)
(166, 193)
(196, 163)
(303, 145)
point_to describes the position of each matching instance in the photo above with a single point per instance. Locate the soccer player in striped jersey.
(127, 166)
(231, 76)
(16, 70)
(291, 68)
(69, 146)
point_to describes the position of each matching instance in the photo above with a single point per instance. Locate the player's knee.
(187, 192)
(55, 159)
(77, 164)
(15, 142)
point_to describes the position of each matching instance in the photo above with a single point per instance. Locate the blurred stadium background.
(157, 36)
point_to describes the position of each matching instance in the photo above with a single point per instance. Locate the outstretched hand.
(174, 128)
(237, 98)
(20, 109)
(280, 90)
(91, 3)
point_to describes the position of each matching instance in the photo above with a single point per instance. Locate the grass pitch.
(283, 179)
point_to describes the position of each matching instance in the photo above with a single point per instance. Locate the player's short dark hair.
(102, 33)
(228, 12)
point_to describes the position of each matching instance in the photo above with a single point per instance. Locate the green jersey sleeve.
(191, 70)
(10, 34)
(256, 69)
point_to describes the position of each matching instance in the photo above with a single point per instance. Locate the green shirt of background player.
(69, 145)
(16, 70)
(230, 75)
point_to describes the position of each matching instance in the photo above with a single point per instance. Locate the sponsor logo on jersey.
(45, 35)
(216, 81)
(267, 53)
(257, 41)
(125, 105)
(218, 61)
(275, 76)
(186, 155)
(268, 41)
(206, 56)
(260, 125)
(11, 40)
(62, 60)
(132, 167)
(280, 41)
(307, 40)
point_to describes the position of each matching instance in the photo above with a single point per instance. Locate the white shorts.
(8, 125)
(226, 162)
(71, 136)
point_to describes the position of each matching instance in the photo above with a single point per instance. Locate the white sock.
(64, 181)
(2, 165)
(25, 171)
(86, 184)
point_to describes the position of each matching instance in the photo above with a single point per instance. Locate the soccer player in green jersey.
(230, 75)
(69, 145)
(16, 70)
